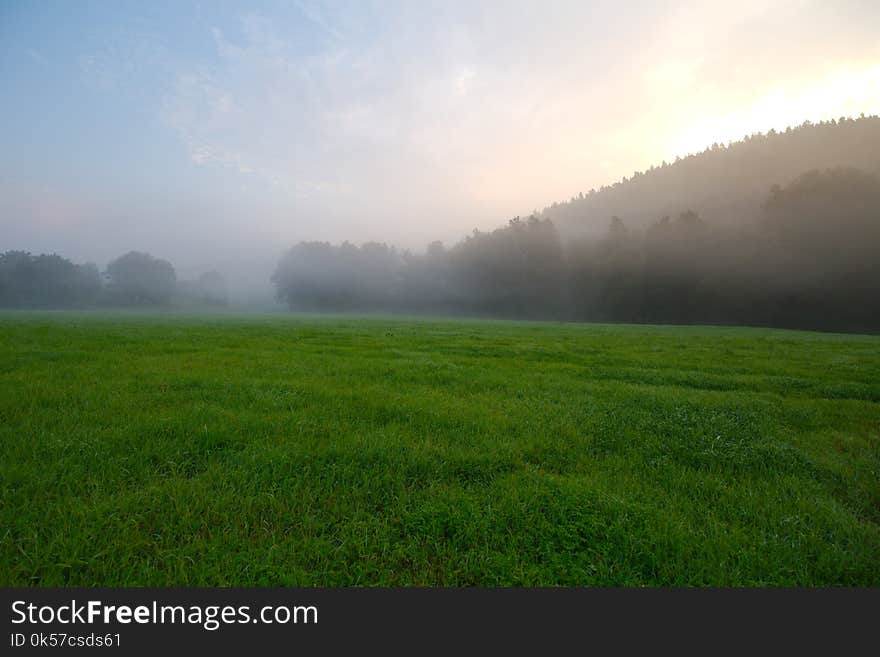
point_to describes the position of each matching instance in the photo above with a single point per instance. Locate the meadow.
(172, 449)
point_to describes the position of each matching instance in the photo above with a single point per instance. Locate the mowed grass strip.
(230, 450)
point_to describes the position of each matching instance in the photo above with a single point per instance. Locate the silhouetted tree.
(140, 279)
(46, 281)
(319, 276)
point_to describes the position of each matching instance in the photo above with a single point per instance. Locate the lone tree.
(140, 279)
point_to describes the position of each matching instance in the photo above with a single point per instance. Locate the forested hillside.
(722, 243)
(725, 183)
(775, 230)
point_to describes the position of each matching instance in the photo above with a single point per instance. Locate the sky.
(217, 134)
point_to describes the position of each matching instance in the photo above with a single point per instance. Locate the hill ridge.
(724, 183)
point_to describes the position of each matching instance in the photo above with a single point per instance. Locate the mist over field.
(218, 137)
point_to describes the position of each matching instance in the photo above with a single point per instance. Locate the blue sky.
(217, 133)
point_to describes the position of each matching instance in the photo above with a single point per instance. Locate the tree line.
(133, 279)
(727, 182)
(808, 258)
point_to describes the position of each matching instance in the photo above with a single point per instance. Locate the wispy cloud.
(411, 121)
(314, 13)
(36, 56)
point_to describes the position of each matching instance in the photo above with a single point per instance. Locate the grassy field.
(275, 450)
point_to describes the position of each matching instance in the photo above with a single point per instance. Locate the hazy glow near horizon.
(844, 92)
(211, 134)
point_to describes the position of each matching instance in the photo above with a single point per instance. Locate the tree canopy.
(46, 281)
(140, 279)
(807, 258)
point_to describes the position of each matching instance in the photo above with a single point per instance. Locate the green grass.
(224, 450)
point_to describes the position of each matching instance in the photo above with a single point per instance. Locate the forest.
(691, 242)
(725, 183)
(133, 279)
(808, 259)
(779, 229)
